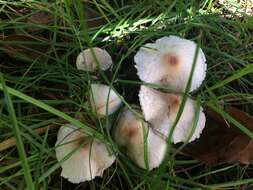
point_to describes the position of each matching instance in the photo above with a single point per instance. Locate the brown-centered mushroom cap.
(161, 109)
(134, 134)
(90, 156)
(169, 61)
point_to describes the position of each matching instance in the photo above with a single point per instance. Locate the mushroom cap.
(100, 101)
(131, 132)
(152, 103)
(89, 159)
(85, 60)
(169, 61)
(168, 107)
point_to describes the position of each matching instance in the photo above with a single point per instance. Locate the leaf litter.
(221, 141)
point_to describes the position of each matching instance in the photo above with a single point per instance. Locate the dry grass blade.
(8, 143)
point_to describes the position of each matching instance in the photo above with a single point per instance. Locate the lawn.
(41, 88)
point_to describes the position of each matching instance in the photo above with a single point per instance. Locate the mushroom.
(102, 97)
(88, 157)
(86, 61)
(161, 109)
(140, 141)
(169, 61)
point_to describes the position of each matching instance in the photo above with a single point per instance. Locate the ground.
(40, 41)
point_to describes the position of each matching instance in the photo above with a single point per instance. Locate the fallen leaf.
(221, 141)
(93, 18)
(2, 36)
(39, 18)
(26, 46)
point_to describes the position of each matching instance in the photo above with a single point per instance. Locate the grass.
(41, 91)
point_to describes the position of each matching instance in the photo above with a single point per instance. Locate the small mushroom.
(89, 159)
(169, 61)
(161, 109)
(134, 134)
(86, 61)
(102, 97)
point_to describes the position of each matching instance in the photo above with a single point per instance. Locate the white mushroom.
(152, 103)
(102, 97)
(89, 159)
(86, 61)
(167, 106)
(169, 61)
(138, 139)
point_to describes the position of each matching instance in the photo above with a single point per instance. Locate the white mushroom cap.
(152, 103)
(131, 132)
(85, 60)
(168, 106)
(88, 161)
(99, 99)
(169, 61)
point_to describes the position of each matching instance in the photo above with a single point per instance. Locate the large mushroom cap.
(86, 61)
(89, 159)
(134, 134)
(168, 108)
(169, 61)
(102, 97)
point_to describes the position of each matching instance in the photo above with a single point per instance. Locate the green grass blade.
(242, 72)
(54, 111)
(17, 133)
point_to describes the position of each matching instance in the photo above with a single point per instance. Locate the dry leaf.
(2, 36)
(223, 142)
(39, 18)
(93, 19)
(25, 45)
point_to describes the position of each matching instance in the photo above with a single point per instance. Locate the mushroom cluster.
(170, 62)
(81, 156)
